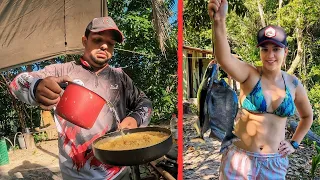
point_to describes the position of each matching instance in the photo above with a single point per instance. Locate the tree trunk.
(297, 60)
(279, 10)
(304, 69)
(104, 8)
(310, 135)
(263, 23)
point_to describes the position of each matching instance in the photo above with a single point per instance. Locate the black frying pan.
(136, 156)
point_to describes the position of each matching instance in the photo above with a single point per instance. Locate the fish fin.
(206, 125)
(196, 125)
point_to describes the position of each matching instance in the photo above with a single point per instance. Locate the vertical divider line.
(180, 90)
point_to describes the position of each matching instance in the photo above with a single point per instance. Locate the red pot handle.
(63, 85)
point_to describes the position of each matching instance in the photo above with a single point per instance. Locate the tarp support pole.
(104, 8)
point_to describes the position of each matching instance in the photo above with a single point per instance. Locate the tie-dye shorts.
(239, 164)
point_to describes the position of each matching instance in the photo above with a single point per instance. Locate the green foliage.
(197, 24)
(14, 114)
(194, 109)
(307, 141)
(315, 160)
(314, 165)
(15, 147)
(151, 71)
(156, 77)
(164, 101)
(314, 96)
(39, 137)
(196, 15)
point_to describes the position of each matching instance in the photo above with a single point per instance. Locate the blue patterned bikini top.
(255, 102)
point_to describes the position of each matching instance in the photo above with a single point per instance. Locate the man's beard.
(99, 62)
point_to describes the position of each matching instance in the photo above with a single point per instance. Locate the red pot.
(79, 105)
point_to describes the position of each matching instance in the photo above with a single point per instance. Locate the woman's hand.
(285, 148)
(218, 9)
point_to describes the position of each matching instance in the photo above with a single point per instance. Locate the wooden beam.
(164, 173)
(104, 8)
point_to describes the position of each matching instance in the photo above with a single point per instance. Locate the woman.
(268, 96)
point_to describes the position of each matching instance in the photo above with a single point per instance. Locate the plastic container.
(4, 157)
(174, 126)
(22, 142)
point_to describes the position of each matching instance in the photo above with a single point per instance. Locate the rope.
(199, 57)
(134, 52)
(8, 141)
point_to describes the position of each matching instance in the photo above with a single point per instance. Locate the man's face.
(98, 48)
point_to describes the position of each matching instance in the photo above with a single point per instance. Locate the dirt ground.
(38, 163)
(42, 163)
(201, 161)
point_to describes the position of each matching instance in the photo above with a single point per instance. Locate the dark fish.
(218, 109)
(202, 124)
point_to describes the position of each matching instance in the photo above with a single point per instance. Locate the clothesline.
(150, 55)
(154, 55)
(199, 57)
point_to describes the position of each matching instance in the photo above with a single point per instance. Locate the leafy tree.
(197, 24)
(143, 58)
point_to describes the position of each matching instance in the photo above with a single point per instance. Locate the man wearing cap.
(268, 96)
(41, 88)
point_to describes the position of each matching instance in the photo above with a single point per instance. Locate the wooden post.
(29, 140)
(47, 119)
(104, 8)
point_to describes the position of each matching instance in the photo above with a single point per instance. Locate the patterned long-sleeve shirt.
(76, 158)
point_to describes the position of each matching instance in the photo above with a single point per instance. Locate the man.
(93, 72)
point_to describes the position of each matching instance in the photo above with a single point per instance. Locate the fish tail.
(196, 125)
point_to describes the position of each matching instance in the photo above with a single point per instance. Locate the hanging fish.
(222, 107)
(217, 108)
(202, 125)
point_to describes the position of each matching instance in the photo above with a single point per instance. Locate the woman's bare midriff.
(259, 132)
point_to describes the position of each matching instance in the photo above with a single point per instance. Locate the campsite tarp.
(37, 30)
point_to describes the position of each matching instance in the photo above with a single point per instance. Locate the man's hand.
(218, 9)
(48, 91)
(128, 123)
(285, 148)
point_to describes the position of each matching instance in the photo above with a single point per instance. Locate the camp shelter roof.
(37, 30)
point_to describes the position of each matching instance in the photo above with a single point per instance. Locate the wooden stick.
(164, 173)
